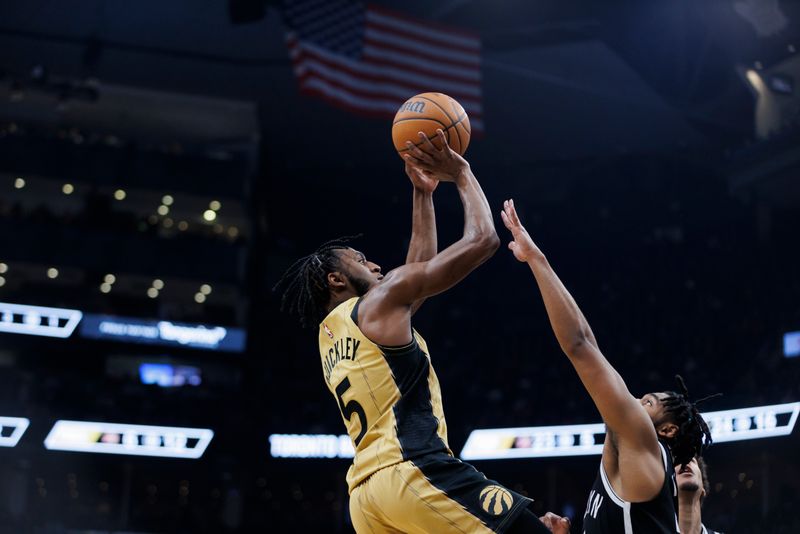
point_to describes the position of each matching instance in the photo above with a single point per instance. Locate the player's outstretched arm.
(623, 414)
(423, 244)
(386, 309)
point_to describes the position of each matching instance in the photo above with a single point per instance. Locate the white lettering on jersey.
(593, 506)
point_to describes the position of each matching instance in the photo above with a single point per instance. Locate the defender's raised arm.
(627, 420)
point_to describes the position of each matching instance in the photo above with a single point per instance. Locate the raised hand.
(421, 181)
(522, 246)
(443, 164)
(555, 523)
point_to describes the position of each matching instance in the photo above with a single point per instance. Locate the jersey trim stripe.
(626, 517)
(619, 501)
(606, 484)
(664, 456)
(622, 503)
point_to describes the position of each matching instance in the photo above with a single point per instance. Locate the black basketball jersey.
(607, 513)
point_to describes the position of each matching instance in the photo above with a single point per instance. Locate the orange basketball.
(428, 112)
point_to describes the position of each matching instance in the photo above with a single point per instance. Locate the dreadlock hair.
(305, 282)
(693, 435)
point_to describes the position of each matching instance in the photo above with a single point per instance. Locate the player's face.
(363, 274)
(689, 477)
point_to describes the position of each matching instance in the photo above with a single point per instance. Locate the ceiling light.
(205, 289)
(120, 194)
(215, 205)
(209, 215)
(109, 278)
(158, 284)
(67, 189)
(52, 272)
(105, 287)
(199, 298)
(152, 292)
(19, 183)
(167, 200)
(162, 210)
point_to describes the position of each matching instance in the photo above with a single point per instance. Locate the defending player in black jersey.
(693, 487)
(634, 491)
(404, 477)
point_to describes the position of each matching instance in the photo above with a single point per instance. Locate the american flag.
(370, 60)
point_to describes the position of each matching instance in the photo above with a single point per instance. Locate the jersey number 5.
(352, 407)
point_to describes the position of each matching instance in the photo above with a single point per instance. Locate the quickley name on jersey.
(344, 348)
(389, 397)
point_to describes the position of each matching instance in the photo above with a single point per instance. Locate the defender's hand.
(444, 165)
(422, 182)
(522, 246)
(556, 524)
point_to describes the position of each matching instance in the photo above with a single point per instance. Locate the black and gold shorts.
(433, 494)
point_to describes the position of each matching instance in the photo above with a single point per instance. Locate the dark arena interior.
(163, 163)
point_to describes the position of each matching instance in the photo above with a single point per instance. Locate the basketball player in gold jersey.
(404, 477)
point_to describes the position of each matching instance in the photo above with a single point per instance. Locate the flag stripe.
(381, 56)
(356, 102)
(381, 73)
(416, 47)
(379, 91)
(401, 22)
(369, 59)
(414, 56)
(421, 35)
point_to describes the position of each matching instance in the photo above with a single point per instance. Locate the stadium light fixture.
(11, 430)
(577, 440)
(38, 320)
(311, 446)
(136, 440)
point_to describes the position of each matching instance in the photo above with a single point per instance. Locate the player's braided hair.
(693, 435)
(305, 284)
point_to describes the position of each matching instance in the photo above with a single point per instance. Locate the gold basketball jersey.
(389, 397)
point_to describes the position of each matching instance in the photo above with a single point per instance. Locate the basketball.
(428, 112)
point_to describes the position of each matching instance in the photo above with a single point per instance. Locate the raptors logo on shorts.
(496, 500)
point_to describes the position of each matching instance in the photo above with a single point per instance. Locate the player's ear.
(667, 430)
(336, 280)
